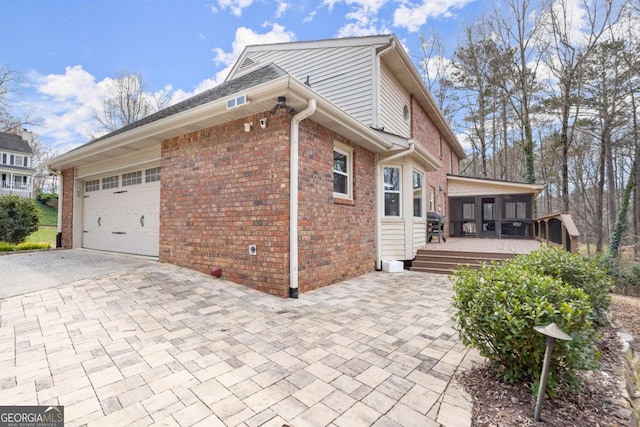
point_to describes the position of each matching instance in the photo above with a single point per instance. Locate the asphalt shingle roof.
(262, 75)
(11, 142)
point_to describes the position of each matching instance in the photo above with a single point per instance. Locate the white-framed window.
(392, 190)
(19, 160)
(432, 199)
(4, 158)
(131, 178)
(152, 175)
(93, 185)
(418, 190)
(342, 171)
(110, 182)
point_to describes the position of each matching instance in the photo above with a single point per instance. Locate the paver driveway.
(162, 344)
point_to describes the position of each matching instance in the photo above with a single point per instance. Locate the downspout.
(60, 198)
(293, 197)
(378, 71)
(407, 152)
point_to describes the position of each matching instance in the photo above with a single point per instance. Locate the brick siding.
(224, 189)
(68, 176)
(427, 134)
(336, 237)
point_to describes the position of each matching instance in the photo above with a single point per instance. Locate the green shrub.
(32, 245)
(45, 198)
(574, 270)
(19, 217)
(6, 247)
(497, 309)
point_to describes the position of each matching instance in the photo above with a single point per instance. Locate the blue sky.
(67, 51)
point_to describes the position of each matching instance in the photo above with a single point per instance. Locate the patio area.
(479, 245)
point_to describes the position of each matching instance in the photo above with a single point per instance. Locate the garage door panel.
(123, 220)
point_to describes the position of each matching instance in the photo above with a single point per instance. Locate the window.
(4, 158)
(11, 159)
(392, 191)
(432, 199)
(152, 175)
(418, 180)
(110, 182)
(236, 102)
(468, 210)
(93, 185)
(132, 178)
(18, 160)
(26, 161)
(515, 210)
(342, 171)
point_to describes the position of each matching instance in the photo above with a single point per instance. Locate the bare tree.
(9, 80)
(127, 102)
(564, 57)
(436, 70)
(516, 27)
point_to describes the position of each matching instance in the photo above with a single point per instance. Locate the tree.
(516, 26)
(127, 102)
(564, 58)
(8, 81)
(19, 217)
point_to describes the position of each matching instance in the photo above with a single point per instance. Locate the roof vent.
(248, 62)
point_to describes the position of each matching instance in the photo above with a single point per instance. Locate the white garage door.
(121, 213)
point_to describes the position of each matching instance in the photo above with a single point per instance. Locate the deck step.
(447, 261)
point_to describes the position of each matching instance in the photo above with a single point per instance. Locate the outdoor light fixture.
(263, 123)
(552, 332)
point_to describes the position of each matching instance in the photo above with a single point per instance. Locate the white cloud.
(244, 37)
(235, 6)
(364, 17)
(413, 16)
(282, 8)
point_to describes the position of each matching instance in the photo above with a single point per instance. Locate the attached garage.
(121, 212)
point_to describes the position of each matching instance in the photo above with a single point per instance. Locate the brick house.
(311, 164)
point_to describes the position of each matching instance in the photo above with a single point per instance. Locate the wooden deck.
(502, 246)
(444, 257)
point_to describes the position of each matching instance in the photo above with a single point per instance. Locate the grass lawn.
(44, 235)
(48, 216)
(48, 226)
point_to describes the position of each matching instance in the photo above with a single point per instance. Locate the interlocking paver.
(163, 345)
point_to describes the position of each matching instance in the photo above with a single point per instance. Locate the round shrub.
(574, 270)
(19, 217)
(497, 309)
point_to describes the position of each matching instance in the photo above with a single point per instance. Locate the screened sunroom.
(490, 208)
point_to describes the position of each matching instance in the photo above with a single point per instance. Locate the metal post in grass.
(552, 332)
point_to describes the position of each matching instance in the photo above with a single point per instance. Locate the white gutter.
(60, 198)
(379, 193)
(378, 73)
(293, 197)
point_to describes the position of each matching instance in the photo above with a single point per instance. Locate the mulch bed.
(601, 402)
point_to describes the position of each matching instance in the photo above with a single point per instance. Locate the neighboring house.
(16, 174)
(311, 164)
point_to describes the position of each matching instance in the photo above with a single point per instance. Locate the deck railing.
(558, 229)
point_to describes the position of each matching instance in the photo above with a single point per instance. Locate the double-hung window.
(342, 171)
(418, 180)
(392, 191)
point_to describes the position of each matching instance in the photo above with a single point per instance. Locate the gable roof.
(262, 75)
(11, 142)
(393, 55)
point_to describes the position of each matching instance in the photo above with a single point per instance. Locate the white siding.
(393, 98)
(343, 75)
(393, 239)
(419, 235)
